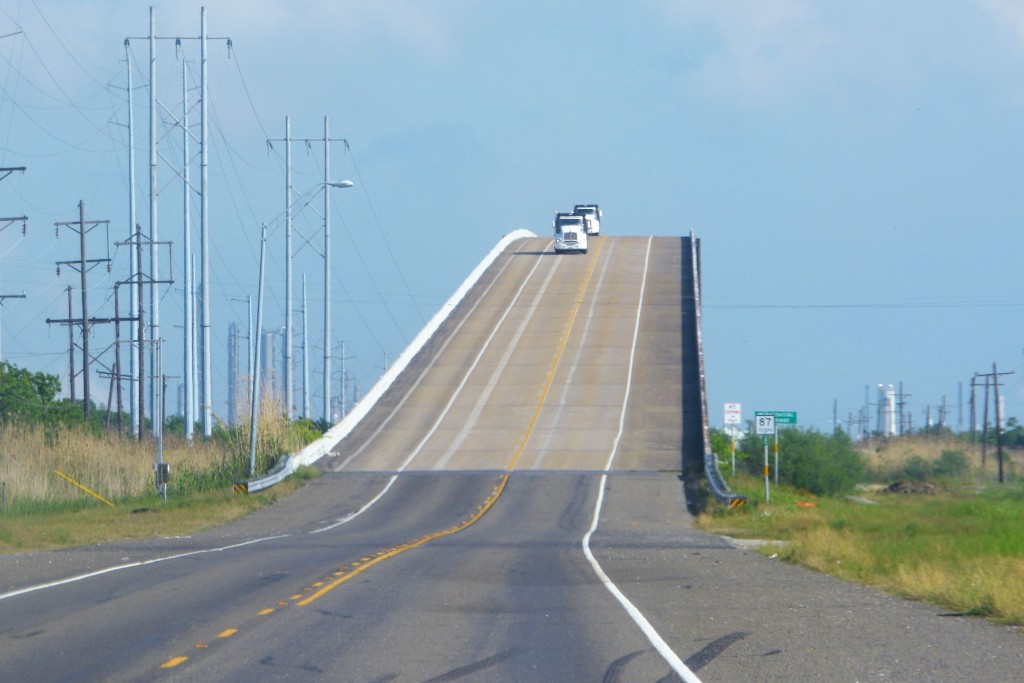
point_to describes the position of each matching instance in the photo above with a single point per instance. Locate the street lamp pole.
(327, 273)
(327, 267)
(288, 379)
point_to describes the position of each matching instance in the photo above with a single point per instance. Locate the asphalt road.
(452, 536)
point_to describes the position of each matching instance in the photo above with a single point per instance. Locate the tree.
(24, 395)
(825, 465)
(810, 460)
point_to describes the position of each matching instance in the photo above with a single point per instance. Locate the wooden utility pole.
(984, 426)
(999, 440)
(974, 411)
(995, 374)
(83, 265)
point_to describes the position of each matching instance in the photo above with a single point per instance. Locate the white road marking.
(444, 412)
(499, 369)
(645, 626)
(80, 577)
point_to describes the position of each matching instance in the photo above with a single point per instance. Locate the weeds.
(120, 469)
(963, 548)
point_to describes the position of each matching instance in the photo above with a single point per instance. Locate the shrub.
(951, 464)
(916, 468)
(810, 460)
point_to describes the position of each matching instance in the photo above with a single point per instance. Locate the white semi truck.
(570, 234)
(591, 217)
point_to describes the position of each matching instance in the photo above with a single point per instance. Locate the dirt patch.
(910, 486)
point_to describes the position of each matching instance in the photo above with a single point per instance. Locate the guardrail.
(720, 490)
(331, 438)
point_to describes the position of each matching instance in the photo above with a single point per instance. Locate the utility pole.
(995, 375)
(305, 355)
(137, 282)
(974, 411)
(999, 441)
(206, 371)
(83, 265)
(326, 184)
(984, 426)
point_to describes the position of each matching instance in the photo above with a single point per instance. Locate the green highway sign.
(782, 417)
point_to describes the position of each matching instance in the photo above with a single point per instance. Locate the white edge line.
(332, 436)
(348, 518)
(648, 630)
(80, 577)
(444, 412)
(322, 446)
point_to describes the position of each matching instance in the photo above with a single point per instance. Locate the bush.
(951, 464)
(818, 463)
(916, 468)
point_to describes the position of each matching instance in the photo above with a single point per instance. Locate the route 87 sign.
(764, 423)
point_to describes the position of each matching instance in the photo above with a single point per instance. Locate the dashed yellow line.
(558, 358)
(357, 567)
(173, 662)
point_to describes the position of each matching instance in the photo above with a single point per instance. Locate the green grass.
(43, 525)
(963, 550)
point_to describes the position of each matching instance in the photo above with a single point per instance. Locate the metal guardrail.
(721, 491)
(276, 475)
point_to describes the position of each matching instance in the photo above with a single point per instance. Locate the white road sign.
(733, 413)
(765, 424)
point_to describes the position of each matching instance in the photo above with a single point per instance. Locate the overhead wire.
(384, 238)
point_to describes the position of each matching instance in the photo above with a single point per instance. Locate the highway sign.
(764, 423)
(782, 417)
(733, 413)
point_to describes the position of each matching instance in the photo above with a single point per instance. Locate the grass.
(86, 522)
(41, 509)
(962, 549)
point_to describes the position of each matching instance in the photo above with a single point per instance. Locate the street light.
(305, 201)
(327, 271)
(327, 182)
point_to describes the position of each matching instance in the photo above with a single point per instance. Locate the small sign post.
(766, 422)
(733, 416)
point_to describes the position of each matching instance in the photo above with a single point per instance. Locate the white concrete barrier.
(335, 434)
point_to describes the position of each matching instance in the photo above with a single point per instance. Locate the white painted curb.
(332, 436)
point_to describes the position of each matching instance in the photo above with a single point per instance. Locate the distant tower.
(886, 410)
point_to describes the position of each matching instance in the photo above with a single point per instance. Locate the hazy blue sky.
(853, 168)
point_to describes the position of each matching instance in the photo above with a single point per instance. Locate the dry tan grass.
(977, 587)
(114, 466)
(893, 454)
(832, 551)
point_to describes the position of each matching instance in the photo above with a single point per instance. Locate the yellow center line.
(364, 563)
(558, 358)
(367, 562)
(173, 662)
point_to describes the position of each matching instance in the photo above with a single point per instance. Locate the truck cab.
(570, 233)
(591, 217)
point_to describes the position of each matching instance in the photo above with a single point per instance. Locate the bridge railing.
(331, 438)
(719, 488)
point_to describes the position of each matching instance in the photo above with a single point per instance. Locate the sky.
(852, 168)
